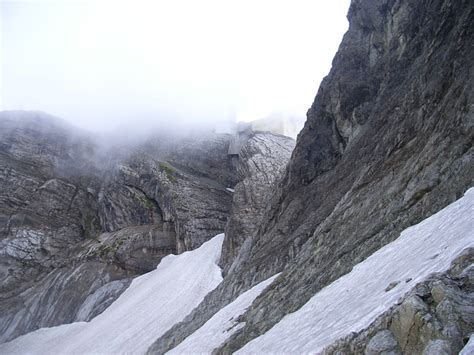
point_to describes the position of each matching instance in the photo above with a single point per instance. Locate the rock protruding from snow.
(352, 302)
(435, 317)
(222, 325)
(150, 306)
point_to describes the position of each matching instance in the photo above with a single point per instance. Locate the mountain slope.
(81, 216)
(387, 143)
(162, 297)
(353, 301)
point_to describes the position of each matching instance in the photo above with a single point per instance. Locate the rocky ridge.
(387, 143)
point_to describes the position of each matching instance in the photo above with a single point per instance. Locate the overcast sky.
(100, 64)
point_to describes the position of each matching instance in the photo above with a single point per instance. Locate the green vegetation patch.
(169, 171)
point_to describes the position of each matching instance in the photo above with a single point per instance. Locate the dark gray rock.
(136, 249)
(387, 143)
(383, 343)
(44, 213)
(438, 346)
(197, 206)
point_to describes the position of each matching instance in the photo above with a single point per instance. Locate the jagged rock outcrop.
(436, 317)
(194, 207)
(262, 159)
(387, 142)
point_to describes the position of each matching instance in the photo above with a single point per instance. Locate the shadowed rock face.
(387, 143)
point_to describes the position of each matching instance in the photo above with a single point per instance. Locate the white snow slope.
(353, 301)
(152, 304)
(222, 325)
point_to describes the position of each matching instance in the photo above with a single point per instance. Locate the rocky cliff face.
(258, 171)
(387, 142)
(78, 220)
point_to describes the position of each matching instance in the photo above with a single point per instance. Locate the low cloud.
(137, 64)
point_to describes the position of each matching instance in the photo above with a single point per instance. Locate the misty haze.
(107, 64)
(236, 177)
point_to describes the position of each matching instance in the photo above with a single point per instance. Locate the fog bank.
(109, 64)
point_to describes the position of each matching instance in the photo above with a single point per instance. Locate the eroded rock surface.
(262, 160)
(78, 220)
(387, 143)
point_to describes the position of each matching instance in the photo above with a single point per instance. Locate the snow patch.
(222, 325)
(152, 304)
(356, 299)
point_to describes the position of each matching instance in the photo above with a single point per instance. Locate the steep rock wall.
(80, 220)
(387, 142)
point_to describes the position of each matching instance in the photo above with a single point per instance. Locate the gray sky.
(102, 64)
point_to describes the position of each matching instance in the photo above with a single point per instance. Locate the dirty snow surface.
(222, 325)
(152, 304)
(353, 301)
